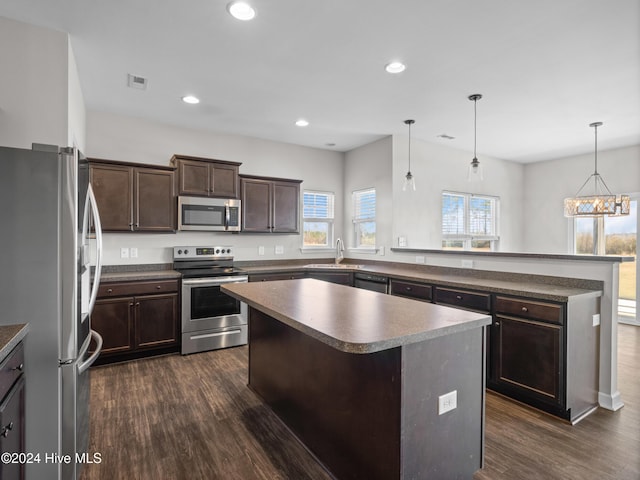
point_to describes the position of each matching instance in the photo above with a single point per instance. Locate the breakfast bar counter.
(375, 386)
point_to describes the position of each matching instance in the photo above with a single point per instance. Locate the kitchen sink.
(343, 266)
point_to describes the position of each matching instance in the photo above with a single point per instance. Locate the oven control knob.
(228, 250)
(179, 252)
(186, 252)
(217, 251)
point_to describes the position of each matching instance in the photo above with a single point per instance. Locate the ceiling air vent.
(135, 81)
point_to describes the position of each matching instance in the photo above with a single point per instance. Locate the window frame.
(329, 220)
(466, 237)
(359, 221)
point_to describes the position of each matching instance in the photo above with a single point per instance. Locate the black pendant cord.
(475, 128)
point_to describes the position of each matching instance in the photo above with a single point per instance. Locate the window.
(364, 219)
(317, 214)
(616, 236)
(469, 222)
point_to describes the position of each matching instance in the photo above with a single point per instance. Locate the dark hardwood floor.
(193, 417)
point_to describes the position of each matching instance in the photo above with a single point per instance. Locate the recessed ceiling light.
(241, 10)
(190, 99)
(302, 122)
(395, 67)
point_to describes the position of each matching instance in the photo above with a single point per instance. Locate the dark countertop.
(10, 336)
(350, 319)
(539, 287)
(532, 286)
(140, 276)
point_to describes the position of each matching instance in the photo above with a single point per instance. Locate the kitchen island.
(375, 386)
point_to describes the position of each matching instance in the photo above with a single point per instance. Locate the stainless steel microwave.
(209, 214)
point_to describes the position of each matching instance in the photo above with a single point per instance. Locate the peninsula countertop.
(350, 319)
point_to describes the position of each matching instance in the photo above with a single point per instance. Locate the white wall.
(33, 85)
(549, 183)
(117, 137)
(369, 166)
(417, 215)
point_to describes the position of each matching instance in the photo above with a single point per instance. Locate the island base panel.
(374, 416)
(345, 408)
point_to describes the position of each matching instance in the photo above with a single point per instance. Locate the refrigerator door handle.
(84, 366)
(98, 227)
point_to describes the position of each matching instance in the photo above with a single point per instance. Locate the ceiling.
(546, 69)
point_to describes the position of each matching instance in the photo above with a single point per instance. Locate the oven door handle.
(213, 281)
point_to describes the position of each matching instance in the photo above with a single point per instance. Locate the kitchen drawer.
(548, 312)
(464, 299)
(417, 291)
(267, 277)
(11, 369)
(136, 288)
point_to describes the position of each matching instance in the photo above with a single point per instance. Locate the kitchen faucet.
(339, 251)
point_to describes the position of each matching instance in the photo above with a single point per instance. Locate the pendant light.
(475, 169)
(409, 181)
(602, 202)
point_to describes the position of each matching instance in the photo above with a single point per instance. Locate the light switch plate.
(279, 249)
(124, 252)
(402, 241)
(596, 320)
(134, 252)
(261, 250)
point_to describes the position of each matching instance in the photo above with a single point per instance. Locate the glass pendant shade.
(601, 202)
(409, 180)
(475, 173)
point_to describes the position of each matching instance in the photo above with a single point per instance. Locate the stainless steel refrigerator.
(50, 228)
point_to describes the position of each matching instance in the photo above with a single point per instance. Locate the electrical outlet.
(380, 250)
(261, 250)
(279, 249)
(124, 252)
(467, 263)
(596, 320)
(447, 402)
(134, 252)
(420, 259)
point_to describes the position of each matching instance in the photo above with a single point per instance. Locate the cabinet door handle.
(459, 297)
(19, 367)
(497, 324)
(137, 304)
(408, 289)
(158, 287)
(525, 309)
(109, 290)
(131, 304)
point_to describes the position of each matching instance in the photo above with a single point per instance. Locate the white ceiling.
(546, 68)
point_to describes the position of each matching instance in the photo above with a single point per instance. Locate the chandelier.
(602, 202)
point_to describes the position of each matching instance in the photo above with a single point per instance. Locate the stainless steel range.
(211, 319)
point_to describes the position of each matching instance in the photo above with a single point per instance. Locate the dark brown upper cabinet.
(134, 197)
(270, 205)
(205, 177)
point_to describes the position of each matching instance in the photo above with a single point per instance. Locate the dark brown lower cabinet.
(12, 412)
(134, 322)
(529, 357)
(545, 354)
